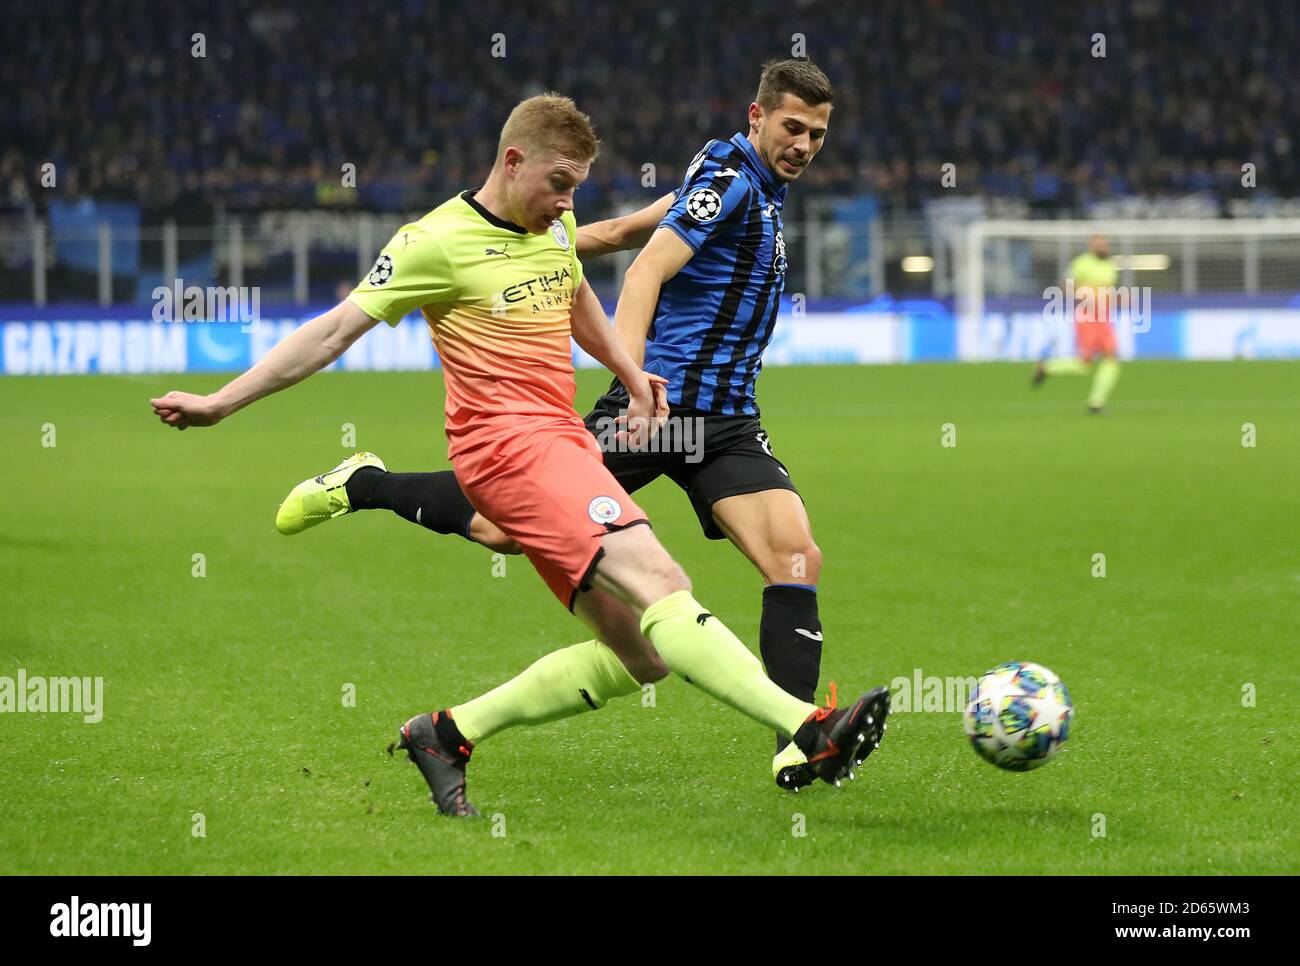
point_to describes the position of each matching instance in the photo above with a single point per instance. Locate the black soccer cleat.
(844, 738)
(794, 777)
(1040, 373)
(443, 768)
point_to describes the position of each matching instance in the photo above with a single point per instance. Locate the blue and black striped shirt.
(715, 317)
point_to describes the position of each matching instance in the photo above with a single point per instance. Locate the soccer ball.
(1019, 716)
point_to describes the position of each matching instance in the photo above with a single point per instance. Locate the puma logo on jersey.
(493, 251)
(811, 635)
(702, 618)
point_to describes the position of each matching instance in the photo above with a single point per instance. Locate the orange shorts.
(1094, 338)
(544, 484)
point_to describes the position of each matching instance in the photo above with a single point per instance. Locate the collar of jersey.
(774, 186)
(491, 219)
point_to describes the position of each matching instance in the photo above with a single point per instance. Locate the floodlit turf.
(224, 693)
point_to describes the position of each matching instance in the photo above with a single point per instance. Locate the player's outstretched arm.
(647, 398)
(622, 233)
(661, 259)
(307, 349)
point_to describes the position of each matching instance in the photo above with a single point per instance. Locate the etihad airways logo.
(538, 286)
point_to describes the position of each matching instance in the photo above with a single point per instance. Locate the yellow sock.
(1103, 382)
(563, 683)
(1066, 366)
(789, 755)
(700, 648)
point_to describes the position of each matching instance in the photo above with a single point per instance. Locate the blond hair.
(550, 122)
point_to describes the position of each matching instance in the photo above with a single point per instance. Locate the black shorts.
(709, 456)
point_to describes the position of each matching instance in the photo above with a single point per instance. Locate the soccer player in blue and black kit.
(698, 308)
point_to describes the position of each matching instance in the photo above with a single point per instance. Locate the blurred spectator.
(410, 93)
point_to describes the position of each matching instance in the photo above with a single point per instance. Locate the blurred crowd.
(1015, 95)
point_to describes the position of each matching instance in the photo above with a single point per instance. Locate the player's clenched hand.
(647, 411)
(659, 386)
(184, 409)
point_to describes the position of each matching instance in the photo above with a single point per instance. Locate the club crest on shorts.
(382, 272)
(704, 205)
(604, 509)
(560, 234)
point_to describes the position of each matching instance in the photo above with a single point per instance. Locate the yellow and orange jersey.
(497, 301)
(1094, 287)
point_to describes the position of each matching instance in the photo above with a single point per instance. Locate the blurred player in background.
(1094, 278)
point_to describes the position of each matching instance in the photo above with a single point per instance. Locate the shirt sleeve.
(411, 272)
(711, 203)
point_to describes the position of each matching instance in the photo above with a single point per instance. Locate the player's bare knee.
(812, 556)
(669, 576)
(792, 562)
(637, 568)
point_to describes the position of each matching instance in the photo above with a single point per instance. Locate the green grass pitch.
(224, 693)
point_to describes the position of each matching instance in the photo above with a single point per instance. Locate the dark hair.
(790, 75)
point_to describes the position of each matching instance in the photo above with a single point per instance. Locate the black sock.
(790, 641)
(433, 500)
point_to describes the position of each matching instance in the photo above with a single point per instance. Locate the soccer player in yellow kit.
(1094, 276)
(495, 275)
